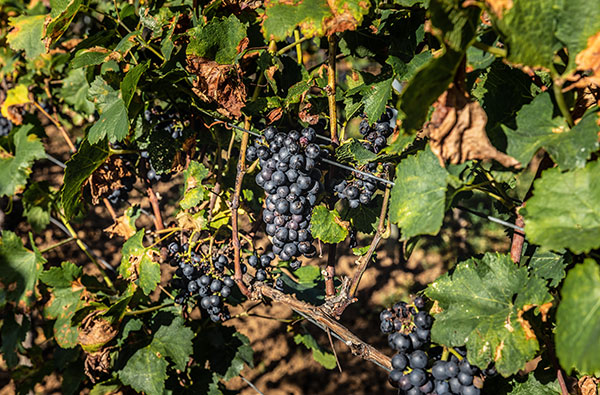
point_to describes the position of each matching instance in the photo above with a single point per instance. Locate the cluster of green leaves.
(103, 67)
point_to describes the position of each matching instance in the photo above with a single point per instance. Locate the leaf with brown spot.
(457, 131)
(588, 385)
(218, 83)
(588, 61)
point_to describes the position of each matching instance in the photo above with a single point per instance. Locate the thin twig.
(158, 222)
(518, 239)
(337, 361)
(110, 209)
(499, 52)
(56, 245)
(320, 318)
(251, 385)
(60, 128)
(557, 84)
(149, 309)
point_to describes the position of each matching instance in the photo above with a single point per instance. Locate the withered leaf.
(108, 177)
(588, 61)
(218, 83)
(95, 332)
(499, 6)
(457, 131)
(97, 364)
(305, 114)
(274, 115)
(122, 227)
(588, 385)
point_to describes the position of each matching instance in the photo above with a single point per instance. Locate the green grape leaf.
(326, 359)
(578, 320)
(174, 341)
(138, 263)
(130, 81)
(527, 28)
(20, 270)
(534, 387)
(375, 97)
(562, 213)
(74, 90)
(453, 23)
(113, 122)
(577, 21)
(243, 356)
(15, 168)
(482, 305)
(62, 13)
(145, 371)
(537, 129)
(194, 191)
(313, 17)
(81, 165)
(37, 204)
(352, 151)
(13, 334)
(66, 300)
(26, 35)
(308, 274)
(218, 40)
(327, 226)
(427, 84)
(89, 57)
(417, 202)
(547, 265)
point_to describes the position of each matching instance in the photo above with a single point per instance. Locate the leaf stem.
(86, 252)
(455, 353)
(499, 52)
(293, 45)
(149, 309)
(560, 99)
(298, 46)
(56, 245)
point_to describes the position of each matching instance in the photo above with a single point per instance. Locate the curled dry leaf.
(218, 83)
(122, 227)
(108, 177)
(274, 115)
(95, 332)
(97, 364)
(306, 115)
(457, 131)
(588, 385)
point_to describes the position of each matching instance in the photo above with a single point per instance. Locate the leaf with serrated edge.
(174, 341)
(81, 165)
(145, 371)
(564, 211)
(113, 122)
(481, 304)
(325, 225)
(15, 169)
(534, 387)
(537, 129)
(418, 198)
(20, 270)
(217, 40)
(375, 98)
(26, 34)
(578, 320)
(352, 150)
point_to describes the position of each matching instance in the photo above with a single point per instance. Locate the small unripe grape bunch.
(291, 179)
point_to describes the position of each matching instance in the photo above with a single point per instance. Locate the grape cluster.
(121, 194)
(169, 120)
(357, 191)
(5, 126)
(376, 135)
(291, 178)
(196, 279)
(149, 171)
(417, 366)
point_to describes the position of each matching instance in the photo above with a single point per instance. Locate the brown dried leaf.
(588, 385)
(108, 177)
(305, 114)
(121, 227)
(457, 131)
(274, 115)
(95, 332)
(218, 83)
(499, 6)
(97, 364)
(588, 61)
(529, 334)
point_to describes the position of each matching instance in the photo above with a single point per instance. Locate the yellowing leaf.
(26, 35)
(16, 96)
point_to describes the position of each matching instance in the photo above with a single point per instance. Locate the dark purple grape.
(399, 361)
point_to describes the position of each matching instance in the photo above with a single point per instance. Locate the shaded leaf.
(174, 341)
(145, 371)
(482, 305)
(62, 13)
(534, 387)
(375, 97)
(352, 151)
(326, 359)
(81, 165)
(130, 81)
(74, 90)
